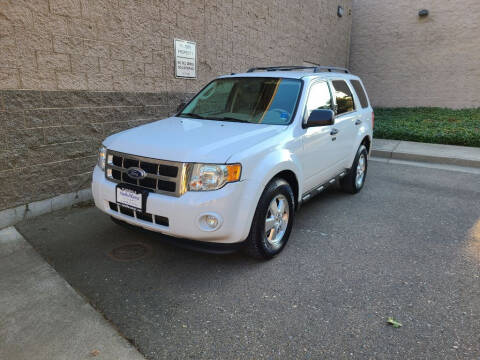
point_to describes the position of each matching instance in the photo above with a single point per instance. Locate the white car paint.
(263, 151)
(206, 141)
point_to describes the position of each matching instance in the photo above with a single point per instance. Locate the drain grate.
(130, 252)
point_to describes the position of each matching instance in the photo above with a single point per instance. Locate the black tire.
(349, 183)
(257, 244)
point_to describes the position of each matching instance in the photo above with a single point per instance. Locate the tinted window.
(318, 98)
(360, 93)
(251, 99)
(344, 97)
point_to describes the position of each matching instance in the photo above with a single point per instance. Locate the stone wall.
(406, 60)
(74, 71)
(50, 138)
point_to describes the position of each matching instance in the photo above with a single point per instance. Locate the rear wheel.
(355, 179)
(272, 222)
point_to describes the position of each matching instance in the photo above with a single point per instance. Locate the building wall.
(74, 71)
(410, 61)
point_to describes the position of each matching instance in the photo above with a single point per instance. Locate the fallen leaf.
(393, 322)
(94, 352)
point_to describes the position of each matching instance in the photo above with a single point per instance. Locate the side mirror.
(181, 106)
(320, 117)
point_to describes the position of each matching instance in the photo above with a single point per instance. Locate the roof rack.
(314, 69)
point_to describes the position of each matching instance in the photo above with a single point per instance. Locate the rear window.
(343, 96)
(360, 93)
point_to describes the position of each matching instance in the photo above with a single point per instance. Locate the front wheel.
(355, 179)
(273, 220)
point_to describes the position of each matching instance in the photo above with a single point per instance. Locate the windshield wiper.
(192, 115)
(227, 118)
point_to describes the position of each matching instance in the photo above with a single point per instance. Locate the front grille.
(159, 220)
(164, 177)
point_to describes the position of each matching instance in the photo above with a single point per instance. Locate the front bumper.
(184, 212)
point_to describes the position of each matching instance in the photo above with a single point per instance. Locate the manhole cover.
(130, 252)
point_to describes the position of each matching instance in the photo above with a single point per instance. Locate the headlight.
(102, 155)
(205, 177)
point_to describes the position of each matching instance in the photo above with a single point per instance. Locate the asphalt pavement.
(407, 246)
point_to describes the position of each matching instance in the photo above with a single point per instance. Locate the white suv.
(231, 168)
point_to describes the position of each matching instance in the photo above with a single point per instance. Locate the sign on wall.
(185, 58)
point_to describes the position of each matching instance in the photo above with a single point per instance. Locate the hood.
(191, 140)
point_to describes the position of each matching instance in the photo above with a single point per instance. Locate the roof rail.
(297, 67)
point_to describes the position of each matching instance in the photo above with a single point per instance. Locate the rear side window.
(360, 93)
(343, 96)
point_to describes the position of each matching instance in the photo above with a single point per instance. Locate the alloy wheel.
(276, 221)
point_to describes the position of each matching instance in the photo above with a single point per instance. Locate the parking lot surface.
(407, 246)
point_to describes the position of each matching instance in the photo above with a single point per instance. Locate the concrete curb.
(429, 153)
(12, 216)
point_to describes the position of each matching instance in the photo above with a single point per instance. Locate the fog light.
(209, 222)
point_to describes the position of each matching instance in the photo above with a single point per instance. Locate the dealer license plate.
(129, 198)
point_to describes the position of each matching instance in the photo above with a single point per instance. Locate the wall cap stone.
(12, 216)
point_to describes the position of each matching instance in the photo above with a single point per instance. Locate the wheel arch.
(260, 172)
(291, 178)
(367, 142)
(362, 138)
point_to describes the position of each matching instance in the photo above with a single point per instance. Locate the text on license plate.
(129, 197)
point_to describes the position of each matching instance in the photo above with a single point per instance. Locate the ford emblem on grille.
(136, 173)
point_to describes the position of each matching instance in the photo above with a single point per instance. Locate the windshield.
(251, 99)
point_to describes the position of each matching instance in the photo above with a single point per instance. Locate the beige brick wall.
(73, 72)
(410, 61)
(127, 45)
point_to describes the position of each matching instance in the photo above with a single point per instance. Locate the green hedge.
(430, 125)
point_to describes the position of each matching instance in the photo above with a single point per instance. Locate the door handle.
(334, 132)
(358, 122)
